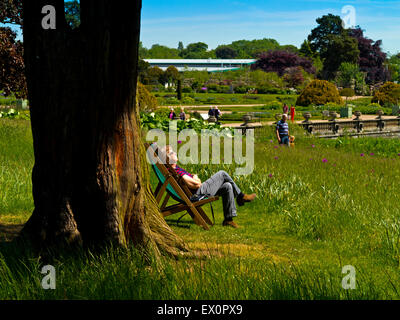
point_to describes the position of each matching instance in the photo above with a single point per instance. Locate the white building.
(210, 65)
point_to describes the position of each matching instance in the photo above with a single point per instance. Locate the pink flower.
(372, 154)
(324, 160)
(270, 175)
(313, 146)
(275, 147)
(179, 141)
(276, 158)
(362, 154)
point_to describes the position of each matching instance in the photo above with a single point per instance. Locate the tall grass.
(16, 162)
(319, 207)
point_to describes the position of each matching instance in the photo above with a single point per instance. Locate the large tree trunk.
(90, 178)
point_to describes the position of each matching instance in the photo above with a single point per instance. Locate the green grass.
(16, 162)
(309, 220)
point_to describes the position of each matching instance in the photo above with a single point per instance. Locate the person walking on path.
(217, 113)
(285, 108)
(282, 130)
(211, 112)
(182, 115)
(172, 114)
(292, 113)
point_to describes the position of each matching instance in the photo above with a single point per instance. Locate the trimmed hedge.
(319, 92)
(388, 94)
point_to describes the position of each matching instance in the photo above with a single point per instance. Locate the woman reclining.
(220, 184)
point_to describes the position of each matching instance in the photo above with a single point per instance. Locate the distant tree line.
(242, 49)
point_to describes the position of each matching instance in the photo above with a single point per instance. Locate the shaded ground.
(9, 231)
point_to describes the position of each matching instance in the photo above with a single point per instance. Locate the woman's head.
(168, 155)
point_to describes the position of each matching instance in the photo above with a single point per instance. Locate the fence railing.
(357, 125)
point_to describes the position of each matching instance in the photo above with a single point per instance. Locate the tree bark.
(90, 178)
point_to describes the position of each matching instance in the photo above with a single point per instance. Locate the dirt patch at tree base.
(9, 231)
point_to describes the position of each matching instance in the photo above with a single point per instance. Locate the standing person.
(285, 108)
(217, 113)
(182, 115)
(282, 130)
(292, 113)
(219, 184)
(172, 114)
(211, 112)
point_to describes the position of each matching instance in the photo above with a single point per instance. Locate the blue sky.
(218, 22)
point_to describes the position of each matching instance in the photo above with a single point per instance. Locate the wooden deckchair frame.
(181, 189)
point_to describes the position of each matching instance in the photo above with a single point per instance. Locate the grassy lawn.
(321, 206)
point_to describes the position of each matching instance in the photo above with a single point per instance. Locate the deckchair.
(173, 186)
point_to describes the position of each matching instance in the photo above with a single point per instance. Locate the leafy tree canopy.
(162, 52)
(327, 25)
(339, 48)
(12, 70)
(278, 61)
(371, 59)
(11, 11)
(225, 52)
(72, 13)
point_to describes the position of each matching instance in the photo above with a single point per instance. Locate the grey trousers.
(221, 184)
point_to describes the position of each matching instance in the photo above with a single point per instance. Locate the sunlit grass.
(311, 217)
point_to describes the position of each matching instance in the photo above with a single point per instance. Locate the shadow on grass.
(9, 232)
(186, 224)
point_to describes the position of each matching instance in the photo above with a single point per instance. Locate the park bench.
(172, 186)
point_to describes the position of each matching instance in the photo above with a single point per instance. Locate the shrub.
(319, 92)
(212, 88)
(389, 94)
(187, 90)
(162, 111)
(166, 96)
(273, 105)
(374, 105)
(172, 101)
(331, 106)
(145, 100)
(188, 100)
(270, 90)
(240, 89)
(347, 92)
(223, 89)
(196, 115)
